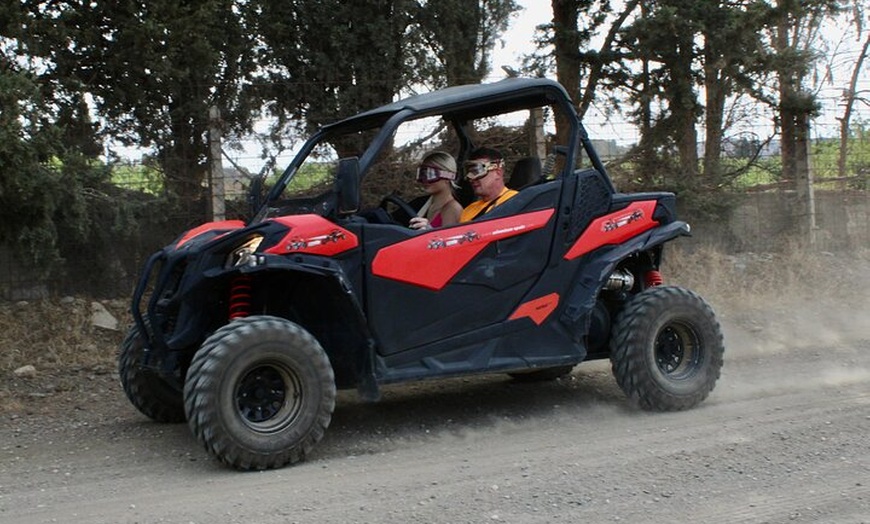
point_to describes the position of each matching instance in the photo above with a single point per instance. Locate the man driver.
(484, 170)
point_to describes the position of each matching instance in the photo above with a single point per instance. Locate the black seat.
(526, 172)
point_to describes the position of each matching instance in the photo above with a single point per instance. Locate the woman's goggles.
(429, 174)
(476, 170)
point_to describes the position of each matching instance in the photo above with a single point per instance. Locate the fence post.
(216, 170)
(804, 182)
(537, 139)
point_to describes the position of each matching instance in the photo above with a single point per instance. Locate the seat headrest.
(527, 171)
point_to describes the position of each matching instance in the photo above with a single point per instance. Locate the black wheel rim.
(269, 397)
(677, 350)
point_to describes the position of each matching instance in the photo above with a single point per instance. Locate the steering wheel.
(404, 214)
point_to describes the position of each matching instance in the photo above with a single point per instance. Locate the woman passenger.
(437, 175)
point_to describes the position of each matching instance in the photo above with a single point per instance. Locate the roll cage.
(457, 106)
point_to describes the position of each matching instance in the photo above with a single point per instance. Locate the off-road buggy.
(246, 329)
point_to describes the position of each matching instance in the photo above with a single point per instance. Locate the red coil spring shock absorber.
(240, 296)
(653, 278)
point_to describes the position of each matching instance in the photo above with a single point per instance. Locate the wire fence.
(762, 219)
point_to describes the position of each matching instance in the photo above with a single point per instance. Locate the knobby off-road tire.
(541, 375)
(259, 393)
(147, 391)
(666, 349)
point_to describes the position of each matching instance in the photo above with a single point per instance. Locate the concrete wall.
(766, 221)
(761, 222)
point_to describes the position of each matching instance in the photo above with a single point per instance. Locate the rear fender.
(598, 265)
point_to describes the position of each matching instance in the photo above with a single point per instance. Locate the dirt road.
(785, 437)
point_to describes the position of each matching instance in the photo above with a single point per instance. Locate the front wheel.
(259, 393)
(667, 348)
(145, 388)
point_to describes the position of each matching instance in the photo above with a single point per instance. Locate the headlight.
(244, 254)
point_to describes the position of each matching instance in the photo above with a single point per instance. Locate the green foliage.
(50, 178)
(153, 69)
(327, 59)
(766, 173)
(30, 190)
(457, 37)
(825, 154)
(313, 174)
(138, 177)
(122, 227)
(762, 173)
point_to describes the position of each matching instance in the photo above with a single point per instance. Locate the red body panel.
(314, 235)
(538, 309)
(615, 228)
(431, 259)
(224, 225)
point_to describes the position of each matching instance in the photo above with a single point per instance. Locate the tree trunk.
(648, 159)
(715, 87)
(683, 108)
(849, 96)
(787, 117)
(183, 161)
(795, 108)
(567, 45)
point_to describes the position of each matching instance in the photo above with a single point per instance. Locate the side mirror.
(347, 186)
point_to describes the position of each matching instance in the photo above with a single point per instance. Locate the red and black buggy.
(247, 329)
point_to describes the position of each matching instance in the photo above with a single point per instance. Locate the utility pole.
(216, 169)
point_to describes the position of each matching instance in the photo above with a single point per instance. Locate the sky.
(520, 34)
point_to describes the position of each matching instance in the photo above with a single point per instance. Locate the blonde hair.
(440, 159)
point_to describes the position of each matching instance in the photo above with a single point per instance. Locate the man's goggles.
(429, 174)
(475, 170)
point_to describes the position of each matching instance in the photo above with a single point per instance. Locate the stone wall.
(766, 222)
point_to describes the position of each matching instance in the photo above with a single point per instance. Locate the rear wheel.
(147, 391)
(667, 349)
(259, 393)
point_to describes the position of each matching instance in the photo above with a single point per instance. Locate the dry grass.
(775, 302)
(74, 360)
(55, 334)
(765, 280)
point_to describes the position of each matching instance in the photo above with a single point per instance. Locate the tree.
(734, 59)
(795, 34)
(152, 69)
(565, 42)
(851, 95)
(328, 59)
(456, 38)
(663, 39)
(46, 144)
(26, 143)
